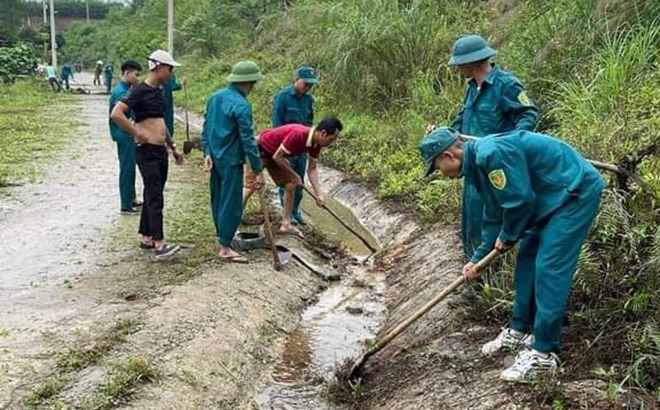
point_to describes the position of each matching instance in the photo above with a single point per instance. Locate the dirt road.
(86, 318)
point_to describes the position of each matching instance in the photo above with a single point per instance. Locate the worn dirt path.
(78, 300)
(55, 233)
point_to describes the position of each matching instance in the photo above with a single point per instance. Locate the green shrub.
(16, 60)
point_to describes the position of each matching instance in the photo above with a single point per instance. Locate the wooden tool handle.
(398, 329)
(269, 230)
(341, 221)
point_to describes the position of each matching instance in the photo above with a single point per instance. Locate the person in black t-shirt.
(147, 102)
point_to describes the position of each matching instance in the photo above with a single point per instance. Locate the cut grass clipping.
(34, 126)
(122, 385)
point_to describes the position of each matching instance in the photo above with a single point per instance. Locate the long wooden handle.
(385, 340)
(344, 224)
(269, 229)
(185, 94)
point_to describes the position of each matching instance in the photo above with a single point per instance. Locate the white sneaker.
(507, 339)
(530, 363)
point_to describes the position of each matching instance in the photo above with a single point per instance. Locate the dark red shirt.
(296, 139)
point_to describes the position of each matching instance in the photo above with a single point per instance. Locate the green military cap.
(470, 49)
(245, 72)
(434, 144)
(307, 74)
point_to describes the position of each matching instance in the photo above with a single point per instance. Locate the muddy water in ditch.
(331, 331)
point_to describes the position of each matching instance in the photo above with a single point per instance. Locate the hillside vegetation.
(592, 66)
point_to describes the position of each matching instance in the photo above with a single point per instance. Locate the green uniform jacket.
(290, 108)
(116, 95)
(172, 85)
(523, 177)
(500, 105)
(65, 73)
(228, 136)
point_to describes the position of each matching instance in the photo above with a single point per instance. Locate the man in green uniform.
(227, 139)
(537, 190)
(130, 75)
(168, 89)
(108, 76)
(65, 74)
(495, 102)
(293, 105)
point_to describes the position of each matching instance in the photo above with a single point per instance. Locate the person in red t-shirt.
(276, 144)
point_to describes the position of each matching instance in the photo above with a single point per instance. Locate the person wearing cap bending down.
(293, 105)
(538, 191)
(147, 102)
(495, 102)
(227, 141)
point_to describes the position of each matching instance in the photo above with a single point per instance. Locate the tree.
(11, 19)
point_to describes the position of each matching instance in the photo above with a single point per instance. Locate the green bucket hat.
(469, 49)
(307, 74)
(434, 144)
(245, 72)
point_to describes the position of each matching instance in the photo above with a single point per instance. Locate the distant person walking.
(51, 75)
(108, 76)
(130, 76)
(98, 69)
(65, 74)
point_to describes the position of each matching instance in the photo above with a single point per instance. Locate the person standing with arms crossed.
(147, 102)
(227, 140)
(495, 102)
(130, 76)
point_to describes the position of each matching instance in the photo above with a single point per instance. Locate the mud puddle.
(334, 329)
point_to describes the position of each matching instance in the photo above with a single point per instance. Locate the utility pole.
(43, 2)
(87, 8)
(170, 27)
(53, 43)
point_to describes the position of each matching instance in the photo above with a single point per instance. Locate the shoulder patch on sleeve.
(497, 178)
(524, 99)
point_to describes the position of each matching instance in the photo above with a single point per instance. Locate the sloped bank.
(435, 364)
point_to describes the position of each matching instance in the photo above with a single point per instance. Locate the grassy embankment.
(591, 66)
(33, 128)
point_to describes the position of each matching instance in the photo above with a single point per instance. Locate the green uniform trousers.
(472, 215)
(546, 262)
(226, 201)
(126, 154)
(299, 164)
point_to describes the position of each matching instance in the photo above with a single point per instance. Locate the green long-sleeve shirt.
(499, 105)
(523, 177)
(228, 134)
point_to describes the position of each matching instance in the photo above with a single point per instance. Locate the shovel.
(398, 329)
(187, 144)
(344, 224)
(278, 261)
